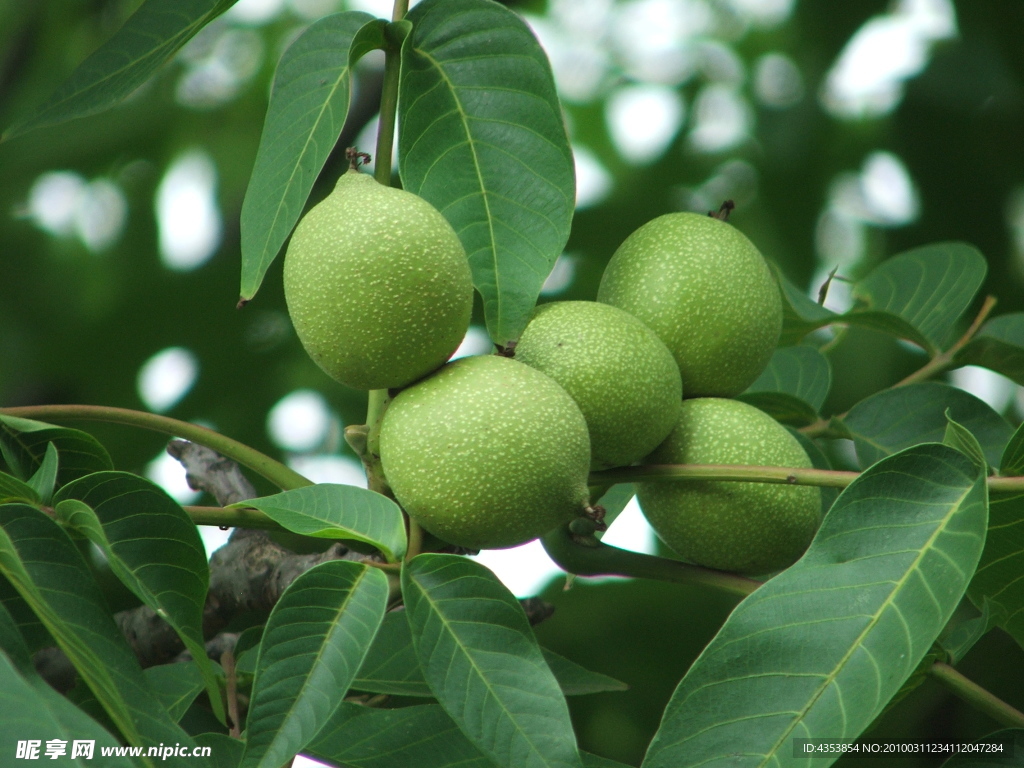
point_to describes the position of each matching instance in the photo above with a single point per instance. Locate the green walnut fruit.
(487, 453)
(377, 284)
(707, 292)
(751, 528)
(617, 370)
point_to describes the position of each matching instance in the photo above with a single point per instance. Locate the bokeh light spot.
(187, 214)
(167, 377)
(300, 421)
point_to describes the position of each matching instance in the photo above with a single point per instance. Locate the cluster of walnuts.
(493, 451)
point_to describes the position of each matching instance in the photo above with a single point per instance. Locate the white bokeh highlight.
(593, 181)
(643, 120)
(65, 204)
(475, 342)
(561, 275)
(300, 421)
(525, 569)
(188, 219)
(995, 389)
(329, 468)
(166, 377)
(721, 119)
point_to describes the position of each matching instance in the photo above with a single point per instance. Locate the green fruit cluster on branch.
(706, 291)
(377, 284)
(617, 370)
(487, 453)
(752, 528)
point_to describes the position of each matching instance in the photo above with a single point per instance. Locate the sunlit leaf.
(50, 575)
(315, 640)
(894, 419)
(148, 39)
(308, 107)
(152, 547)
(481, 660)
(819, 650)
(481, 138)
(331, 511)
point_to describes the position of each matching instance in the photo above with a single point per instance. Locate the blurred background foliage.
(844, 131)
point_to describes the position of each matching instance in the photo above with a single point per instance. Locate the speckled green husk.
(487, 453)
(377, 284)
(752, 528)
(617, 370)
(707, 292)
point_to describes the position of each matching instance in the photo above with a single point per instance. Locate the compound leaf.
(819, 650)
(481, 660)
(308, 107)
(481, 138)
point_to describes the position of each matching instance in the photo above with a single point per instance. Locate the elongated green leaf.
(929, 287)
(800, 371)
(13, 489)
(44, 705)
(332, 511)
(150, 37)
(481, 138)
(1012, 462)
(315, 640)
(47, 570)
(175, 685)
(998, 577)
(45, 478)
(152, 547)
(24, 443)
(819, 650)
(998, 346)
(481, 660)
(1006, 751)
(30, 714)
(897, 418)
(421, 736)
(391, 666)
(308, 107)
(225, 752)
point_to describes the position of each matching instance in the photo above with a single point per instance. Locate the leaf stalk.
(976, 696)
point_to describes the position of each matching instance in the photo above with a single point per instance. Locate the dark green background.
(75, 327)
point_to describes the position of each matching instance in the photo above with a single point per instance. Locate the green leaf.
(999, 346)
(391, 666)
(481, 138)
(23, 444)
(315, 640)
(175, 686)
(959, 437)
(1012, 462)
(928, 287)
(800, 371)
(818, 650)
(800, 314)
(225, 752)
(150, 37)
(422, 736)
(50, 575)
(45, 478)
(1008, 752)
(13, 489)
(152, 547)
(308, 106)
(331, 511)
(481, 660)
(28, 712)
(894, 419)
(819, 461)
(998, 577)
